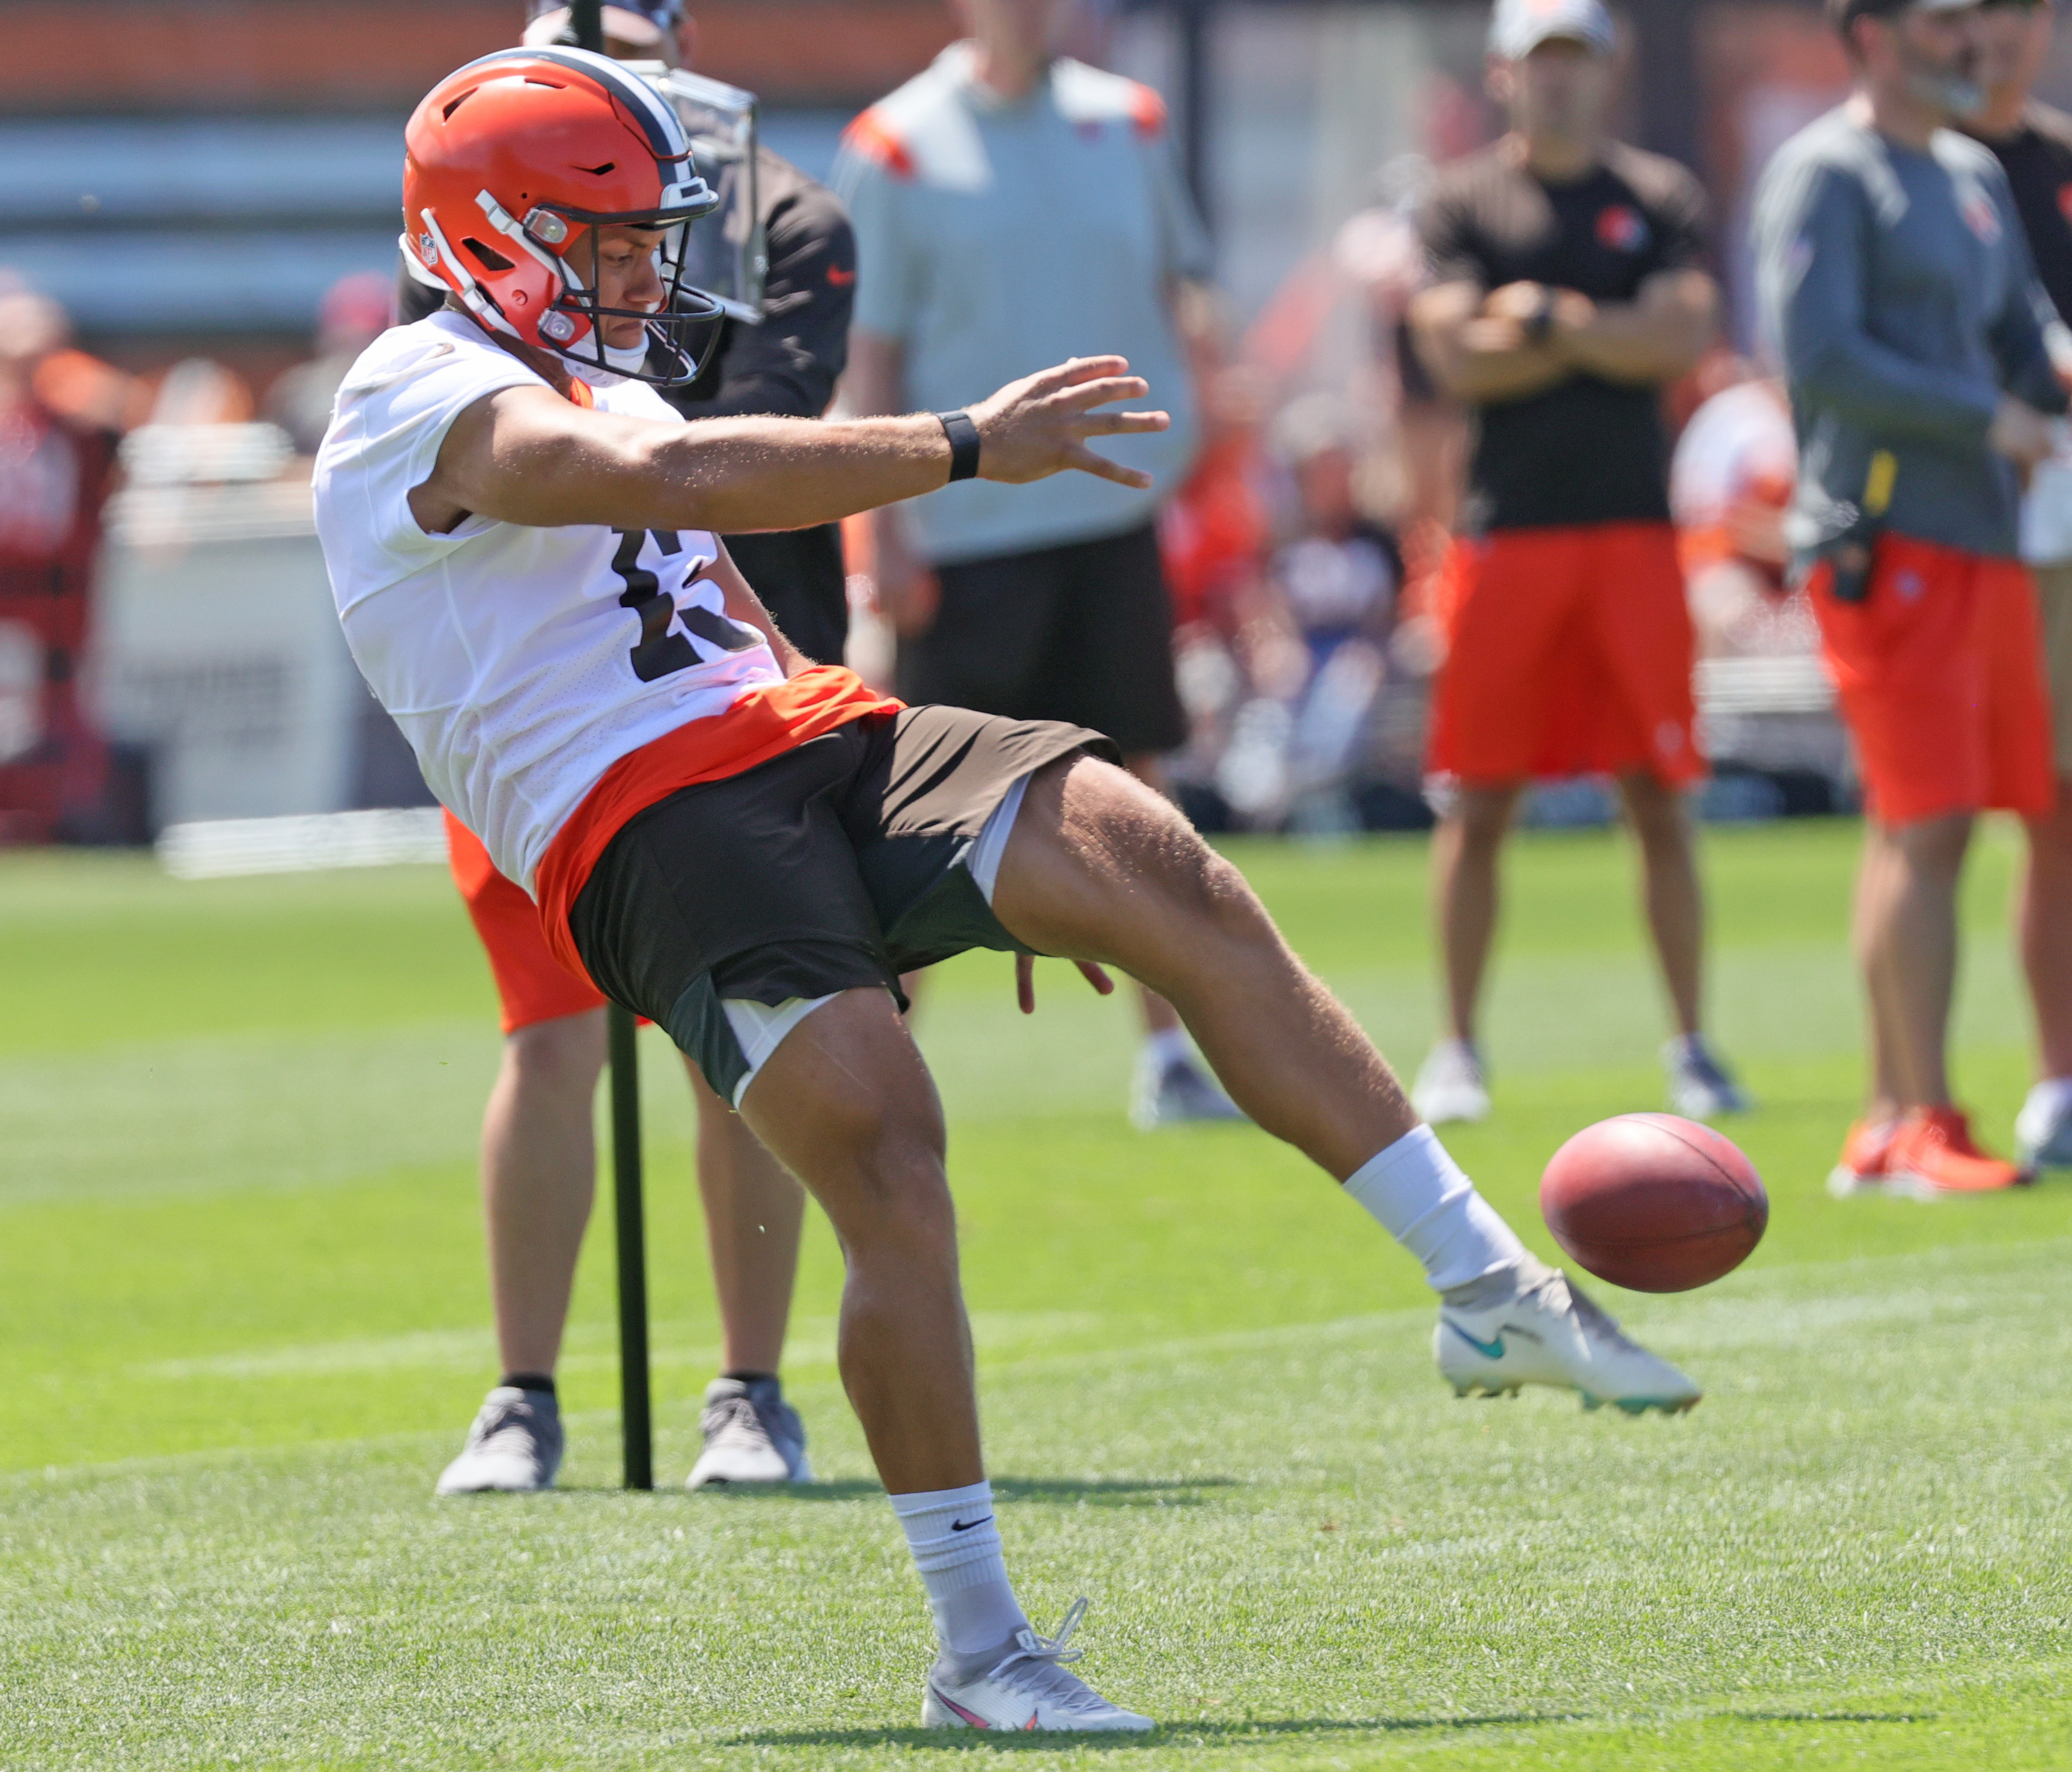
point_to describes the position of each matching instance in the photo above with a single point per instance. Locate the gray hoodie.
(1897, 291)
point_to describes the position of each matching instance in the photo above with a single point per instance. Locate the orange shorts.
(533, 985)
(1940, 673)
(1568, 652)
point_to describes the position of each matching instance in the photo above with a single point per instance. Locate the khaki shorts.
(2053, 590)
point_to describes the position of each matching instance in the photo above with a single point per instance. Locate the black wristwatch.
(963, 443)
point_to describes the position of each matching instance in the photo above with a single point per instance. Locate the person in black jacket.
(538, 1148)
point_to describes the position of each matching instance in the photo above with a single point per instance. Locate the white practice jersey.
(520, 663)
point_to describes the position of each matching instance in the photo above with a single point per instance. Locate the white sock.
(1168, 1046)
(1421, 1197)
(956, 1543)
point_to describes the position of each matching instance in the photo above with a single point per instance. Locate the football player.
(750, 849)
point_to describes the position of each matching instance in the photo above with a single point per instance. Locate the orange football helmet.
(507, 159)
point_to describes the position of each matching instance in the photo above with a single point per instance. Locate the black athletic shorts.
(1082, 632)
(842, 863)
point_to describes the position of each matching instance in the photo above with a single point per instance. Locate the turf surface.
(243, 1322)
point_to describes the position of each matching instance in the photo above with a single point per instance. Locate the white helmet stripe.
(664, 128)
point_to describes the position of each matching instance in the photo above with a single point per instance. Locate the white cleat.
(1451, 1087)
(752, 1436)
(1025, 1688)
(514, 1446)
(2043, 1129)
(1549, 1333)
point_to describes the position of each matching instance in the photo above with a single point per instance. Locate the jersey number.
(659, 653)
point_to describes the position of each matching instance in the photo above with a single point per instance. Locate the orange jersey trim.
(765, 722)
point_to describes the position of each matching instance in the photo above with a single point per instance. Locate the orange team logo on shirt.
(2065, 201)
(840, 278)
(1622, 228)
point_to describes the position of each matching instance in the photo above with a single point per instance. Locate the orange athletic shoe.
(1932, 1154)
(1862, 1168)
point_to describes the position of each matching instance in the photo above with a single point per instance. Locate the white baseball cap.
(1520, 26)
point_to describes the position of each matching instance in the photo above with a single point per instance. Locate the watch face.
(725, 253)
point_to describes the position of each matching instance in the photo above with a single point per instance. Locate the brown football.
(1653, 1203)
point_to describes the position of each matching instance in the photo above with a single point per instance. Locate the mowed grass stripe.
(1205, 1380)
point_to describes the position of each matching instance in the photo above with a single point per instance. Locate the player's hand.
(1024, 980)
(2023, 435)
(1039, 426)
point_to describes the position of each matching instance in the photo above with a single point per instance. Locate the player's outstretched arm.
(527, 455)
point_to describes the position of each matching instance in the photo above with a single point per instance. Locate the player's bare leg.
(539, 1162)
(1907, 939)
(1699, 1085)
(755, 1211)
(1670, 893)
(1101, 869)
(1908, 943)
(2044, 916)
(847, 1105)
(538, 1174)
(1170, 1087)
(1467, 849)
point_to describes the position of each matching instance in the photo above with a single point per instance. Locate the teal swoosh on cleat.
(1489, 1350)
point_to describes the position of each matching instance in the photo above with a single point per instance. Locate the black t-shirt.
(787, 366)
(1585, 451)
(2038, 159)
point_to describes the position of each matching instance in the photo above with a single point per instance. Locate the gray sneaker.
(515, 1445)
(1700, 1085)
(1177, 1095)
(752, 1436)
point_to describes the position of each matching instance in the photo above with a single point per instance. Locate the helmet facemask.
(670, 354)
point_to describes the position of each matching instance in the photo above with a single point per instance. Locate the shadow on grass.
(1833, 1716)
(980, 1741)
(1069, 1491)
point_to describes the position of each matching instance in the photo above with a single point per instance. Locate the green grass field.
(243, 1323)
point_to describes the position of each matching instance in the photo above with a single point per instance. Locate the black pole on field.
(629, 1215)
(636, 1420)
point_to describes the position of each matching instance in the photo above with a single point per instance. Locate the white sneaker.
(1700, 1085)
(2043, 1129)
(1024, 1688)
(1450, 1085)
(515, 1445)
(752, 1436)
(1549, 1333)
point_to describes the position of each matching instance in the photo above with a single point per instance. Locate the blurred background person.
(1568, 288)
(538, 1148)
(1729, 484)
(1015, 207)
(62, 417)
(357, 309)
(1895, 279)
(2034, 144)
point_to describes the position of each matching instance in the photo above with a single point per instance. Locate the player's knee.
(561, 1057)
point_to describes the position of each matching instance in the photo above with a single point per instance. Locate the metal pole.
(629, 1215)
(636, 1421)
(1192, 17)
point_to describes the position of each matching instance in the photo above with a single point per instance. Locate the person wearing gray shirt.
(1014, 206)
(1896, 288)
